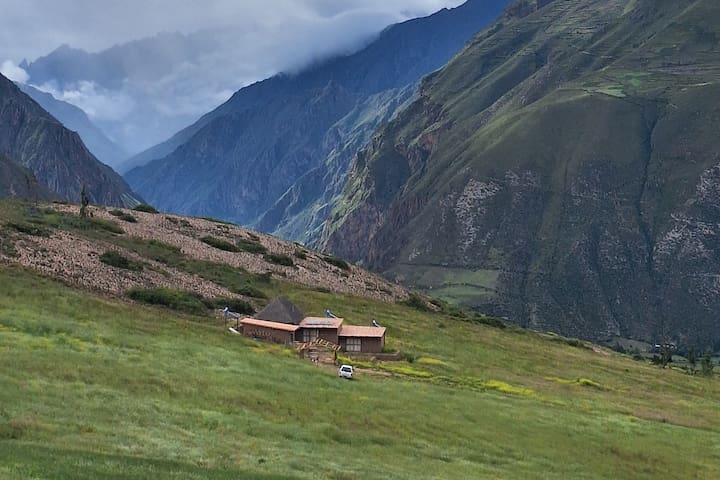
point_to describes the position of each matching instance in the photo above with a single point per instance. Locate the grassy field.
(96, 388)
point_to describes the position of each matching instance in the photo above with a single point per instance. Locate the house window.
(353, 345)
(310, 334)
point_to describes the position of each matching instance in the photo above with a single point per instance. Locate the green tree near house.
(707, 365)
(692, 361)
(84, 202)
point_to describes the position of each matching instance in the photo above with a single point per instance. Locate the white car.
(346, 371)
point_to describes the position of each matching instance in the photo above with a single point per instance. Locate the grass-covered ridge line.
(131, 390)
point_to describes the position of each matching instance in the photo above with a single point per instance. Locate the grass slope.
(95, 388)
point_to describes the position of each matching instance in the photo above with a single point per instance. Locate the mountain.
(562, 171)
(76, 120)
(36, 141)
(276, 154)
(142, 92)
(19, 182)
(136, 91)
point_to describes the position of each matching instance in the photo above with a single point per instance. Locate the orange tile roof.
(321, 322)
(274, 325)
(354, 331)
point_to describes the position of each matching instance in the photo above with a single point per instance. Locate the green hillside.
(560, 172)
(92, 387)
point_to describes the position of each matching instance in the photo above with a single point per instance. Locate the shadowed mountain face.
(76, 120)
(276, 154)
(561, 171)
(34, 140)
(19, 182)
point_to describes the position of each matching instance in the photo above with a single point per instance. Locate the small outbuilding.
(362, 339)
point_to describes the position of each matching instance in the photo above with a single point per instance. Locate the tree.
(692, 360)
(84, 202)
(707, 365)
(666, 355)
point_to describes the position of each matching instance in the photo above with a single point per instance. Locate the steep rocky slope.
(562, 171)
(73, 118)
(19, 182)
(57, 158)
(277, 152)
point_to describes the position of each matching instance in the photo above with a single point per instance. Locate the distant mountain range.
(76, 120)
(562, 171)
(276, 154)
(36, 149)
(122, 85)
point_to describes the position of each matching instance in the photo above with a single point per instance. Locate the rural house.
(283, 322)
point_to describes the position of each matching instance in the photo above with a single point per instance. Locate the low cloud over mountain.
(141, 92)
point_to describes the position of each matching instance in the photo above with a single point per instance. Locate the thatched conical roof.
(281, 310)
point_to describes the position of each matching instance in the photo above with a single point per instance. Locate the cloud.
(99, 104)
(170, 81)
(31, 28)
(14, 72)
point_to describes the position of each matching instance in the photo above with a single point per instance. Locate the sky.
(31, 28)
(244, 40)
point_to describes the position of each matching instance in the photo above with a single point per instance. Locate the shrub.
(280, 259)
(408, 357)
(490, 321)
(167, 297)
(126, 217)
(216, 220)
(7, 245)
(250, 291)
(301, 254)
(220, 244)
(116, 212)
(234, 304)
(338, 262)
(117, 260)
(30, 229)
(100, 224)
(144, 207)
(156, 250)
(586, 382)
(706, 365)
(417, 302)
(265, 278)
(251, 246)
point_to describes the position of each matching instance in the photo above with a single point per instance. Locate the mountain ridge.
(557, 172)
(272, 133)
(75, 119)
(58, 159)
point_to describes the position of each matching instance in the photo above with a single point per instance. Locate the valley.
(122, 390)
(503, 215)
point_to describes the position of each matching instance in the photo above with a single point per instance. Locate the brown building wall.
(372, 345)
(329, 334)
(268, 334)
(367, 345)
